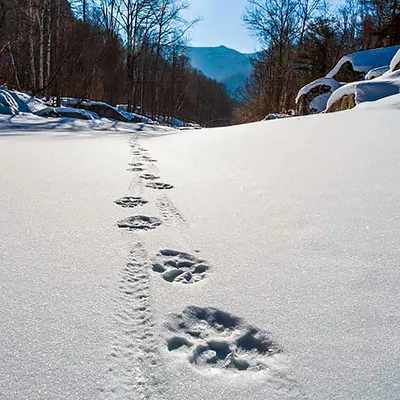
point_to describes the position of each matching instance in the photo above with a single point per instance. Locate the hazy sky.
(221, 24)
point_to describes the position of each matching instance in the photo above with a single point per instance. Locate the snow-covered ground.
(252, 262)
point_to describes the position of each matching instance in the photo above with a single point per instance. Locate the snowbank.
(366, 91)
(364, 61)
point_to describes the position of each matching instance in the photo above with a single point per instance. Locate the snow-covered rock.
(395, 63)
(68, 112)
(377, 72)
(103, 110)
(8, 105)
(312, 98)
(133, 117)
(350, 95)
(353, 67)
(27, 103)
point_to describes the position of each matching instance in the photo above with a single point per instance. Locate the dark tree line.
(119, 51)
(303, 39)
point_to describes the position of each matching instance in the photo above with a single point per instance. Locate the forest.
(129, 52)
(303, 39)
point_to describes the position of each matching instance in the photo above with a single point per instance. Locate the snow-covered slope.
(252, 262)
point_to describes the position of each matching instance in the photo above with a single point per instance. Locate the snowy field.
(253, 262)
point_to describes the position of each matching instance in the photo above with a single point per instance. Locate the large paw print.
(176, 266)
(139, 222)
(213, 338)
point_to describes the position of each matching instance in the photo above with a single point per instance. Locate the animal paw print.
(130, 202)
(159, 186)
(209, 337)
(139, 222)
(179, 267)
(149, 177)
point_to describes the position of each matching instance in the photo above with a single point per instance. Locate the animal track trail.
(208, 337)
(139, 222)
(178, 267)
(135, 359)
(171, 215)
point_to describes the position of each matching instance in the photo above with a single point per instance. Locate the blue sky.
(221, 24)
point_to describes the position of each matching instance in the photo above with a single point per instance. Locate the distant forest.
(119, 51)
(303, 39)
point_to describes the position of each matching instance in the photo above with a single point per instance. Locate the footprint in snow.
(149, 159)
(136, 169)
(139, 222)
(131, 202)
(159, 185)
(149, 177)
(179, 267)
(208, 337)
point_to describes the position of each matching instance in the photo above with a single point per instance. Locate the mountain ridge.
(223, 64)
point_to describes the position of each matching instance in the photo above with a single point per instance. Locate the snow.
(395, 61)
(386, 85)
(364, 61)
(377, 72)
(269, 270)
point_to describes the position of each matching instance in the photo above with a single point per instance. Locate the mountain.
(222, 64)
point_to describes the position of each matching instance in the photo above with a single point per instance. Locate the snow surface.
(364, 61)
(269, 270)
(386, 85)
